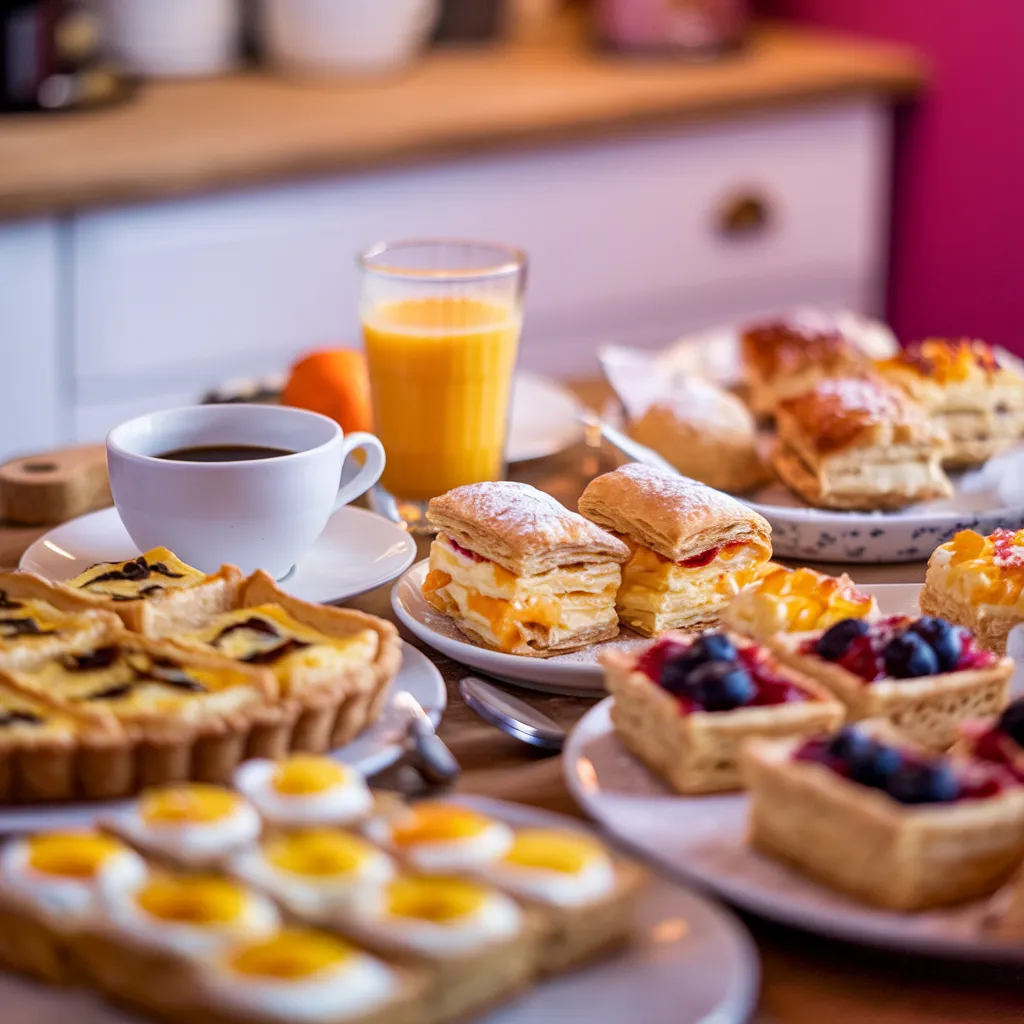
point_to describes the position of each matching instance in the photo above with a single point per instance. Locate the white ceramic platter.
(357, 552)
(378, 747)
(544, 419)
(691, 963)
(578, 673)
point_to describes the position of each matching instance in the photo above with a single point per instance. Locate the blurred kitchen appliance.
(50, 58)
(701, 28)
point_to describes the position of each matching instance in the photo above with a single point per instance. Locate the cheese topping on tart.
(302, 976)
(313, 873)
(268, 635)
(194, 824)
(304, 790)
(982, 570)
(22, 716)
(796, 601)
(64, 875)
(191, 915)
(153, 573)
(25, 621)
(440, 837)
(562, 868)
(436, 916)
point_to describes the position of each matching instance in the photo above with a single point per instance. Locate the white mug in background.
(259, 514)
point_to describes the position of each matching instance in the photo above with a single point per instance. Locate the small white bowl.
(323, 38)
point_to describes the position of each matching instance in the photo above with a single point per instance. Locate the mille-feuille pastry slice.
(692, 549)
(155, 594)
(859, 443)
(34, 626)
(967, 390)
(518, 572)
(707, 434)
(978, 582)
(785, 358)
(796, 600)
(333, 665)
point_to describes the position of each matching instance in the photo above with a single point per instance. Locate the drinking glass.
(441, 322)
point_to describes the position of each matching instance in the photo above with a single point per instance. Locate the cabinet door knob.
(745, 214)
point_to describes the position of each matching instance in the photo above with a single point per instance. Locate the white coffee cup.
(259, 514)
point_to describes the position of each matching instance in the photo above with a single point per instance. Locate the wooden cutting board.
(39, 491)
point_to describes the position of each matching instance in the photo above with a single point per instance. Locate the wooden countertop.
(185, 138)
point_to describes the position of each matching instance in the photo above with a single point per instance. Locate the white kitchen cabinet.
(625, 238)
(35, 392)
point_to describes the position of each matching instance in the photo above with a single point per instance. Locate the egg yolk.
(290, 955)
(192, 900)
(431, 823)
(552, 851)
(187, 805)
(71, 856)
(318, 854)
(440, 900)
(303, 776)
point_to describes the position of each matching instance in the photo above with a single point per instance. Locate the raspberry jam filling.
(455, 546)
(906, 776)
(699, 561)
(711, 674)
(898, 648)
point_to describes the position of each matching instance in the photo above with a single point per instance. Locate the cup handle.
(368, 475)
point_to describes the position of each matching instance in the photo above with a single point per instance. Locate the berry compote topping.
(898, 648)
(710, 674)
(1003, 742)
(906, 776)
(455, 546)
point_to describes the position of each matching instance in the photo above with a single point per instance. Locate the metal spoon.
(511, 715)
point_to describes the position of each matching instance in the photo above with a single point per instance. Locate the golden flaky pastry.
(692, 548)
(976, 396)
(859, 443)
(707, 434)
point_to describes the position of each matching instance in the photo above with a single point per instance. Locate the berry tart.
(978, 582)
(925, 675)
(686, 704)
(866, 813)
(999, 740)
(794, 601)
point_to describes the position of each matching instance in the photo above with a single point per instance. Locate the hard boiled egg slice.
(305, 791)
(63, 875)
(562, 868)
(195, 825)
(441, 838)
(315, 872)
(436, 916)
(301, 976)
(191, 915)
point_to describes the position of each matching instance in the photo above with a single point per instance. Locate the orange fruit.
(335, 383)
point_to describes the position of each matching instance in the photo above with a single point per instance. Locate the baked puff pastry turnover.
(518, 572)
(966, 390)
(858, 443)
(691, 548)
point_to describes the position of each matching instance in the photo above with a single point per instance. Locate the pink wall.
(958, 259)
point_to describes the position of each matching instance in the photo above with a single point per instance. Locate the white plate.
(544, 419)
(691, 963)
(357, 552)
(375, 749)
(576, 674)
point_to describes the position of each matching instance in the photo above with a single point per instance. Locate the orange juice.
(441, 376)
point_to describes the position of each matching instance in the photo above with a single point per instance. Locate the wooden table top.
(183, 138)
(806, 979)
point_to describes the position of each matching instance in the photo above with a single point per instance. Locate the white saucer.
(377, 748)
(544, 419)
(357, 552)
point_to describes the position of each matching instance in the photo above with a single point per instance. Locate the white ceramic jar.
(173, 38)
(345, 37)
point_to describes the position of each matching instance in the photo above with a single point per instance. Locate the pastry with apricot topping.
(518, 572)
(978, 582)
(860, 444)
(976, 396)
(691, 548)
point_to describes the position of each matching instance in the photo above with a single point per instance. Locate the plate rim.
(384, 578)
(825, 922)
(551, 447)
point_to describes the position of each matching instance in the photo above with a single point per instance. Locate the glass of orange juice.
(441, 322)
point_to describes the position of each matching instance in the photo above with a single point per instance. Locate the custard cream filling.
(163, 571)
(979, 582)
